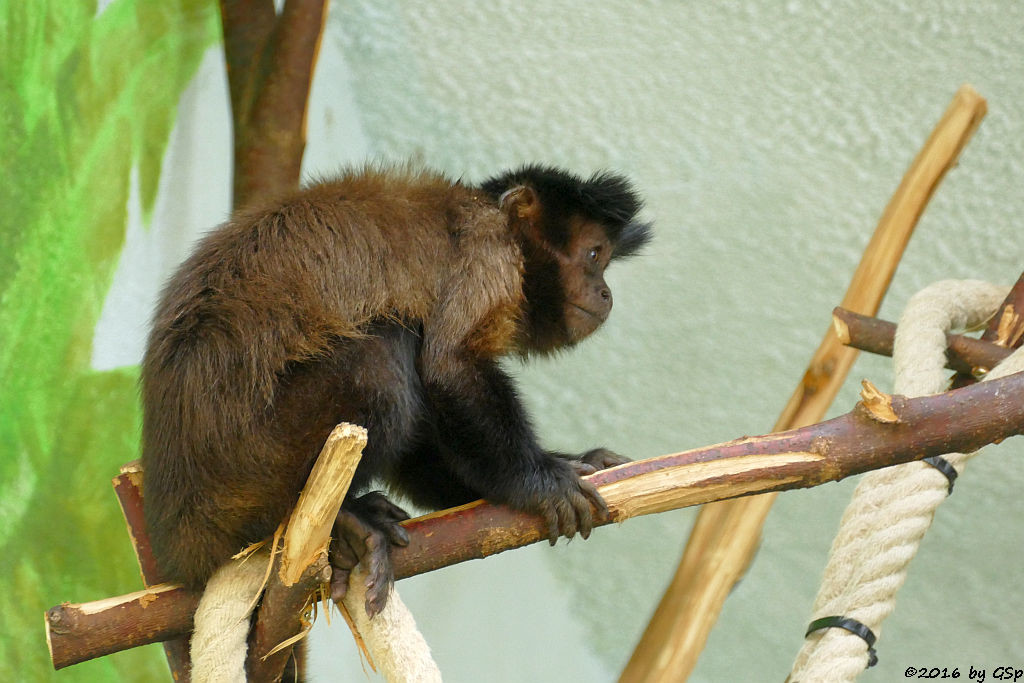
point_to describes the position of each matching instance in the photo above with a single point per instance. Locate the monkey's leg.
(364, 532)
(370, 381)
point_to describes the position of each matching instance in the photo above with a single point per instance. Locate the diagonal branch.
(957, 421)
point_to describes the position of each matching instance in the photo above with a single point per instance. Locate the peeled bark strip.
(829, 451)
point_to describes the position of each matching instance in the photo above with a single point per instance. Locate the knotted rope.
(892, 508)
(391, 638)
(221, 625)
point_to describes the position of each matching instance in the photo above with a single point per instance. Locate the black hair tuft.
(607, 198)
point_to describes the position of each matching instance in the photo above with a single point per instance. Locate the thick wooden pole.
(725, 535)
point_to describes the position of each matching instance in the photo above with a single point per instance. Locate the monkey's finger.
(581, 468)
(382, 509)
(566, 509)
(547, 511)
(347, 545)
(353, 531)
(583, 516)
(397, 535)
(376, 600)
(380, 576)
(339, 584)
(601, 507)
(341, 555)
(375, 560)
(602, 458)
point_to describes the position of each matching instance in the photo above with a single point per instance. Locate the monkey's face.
(588, 299)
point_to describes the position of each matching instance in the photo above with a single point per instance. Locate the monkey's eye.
(594, 254)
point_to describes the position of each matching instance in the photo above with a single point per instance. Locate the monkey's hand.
(567, 503)
(596, 459)
(364, 532)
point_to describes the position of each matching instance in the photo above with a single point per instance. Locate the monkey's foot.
(364, 532)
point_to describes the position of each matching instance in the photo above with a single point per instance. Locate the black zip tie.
(942, 465)
(851, 625)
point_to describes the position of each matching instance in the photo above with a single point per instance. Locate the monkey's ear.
(521, 203)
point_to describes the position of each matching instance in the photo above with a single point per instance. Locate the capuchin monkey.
(384, 298)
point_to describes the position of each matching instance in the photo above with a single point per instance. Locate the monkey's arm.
(486, 440)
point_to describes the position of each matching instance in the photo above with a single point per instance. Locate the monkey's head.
(569, 229)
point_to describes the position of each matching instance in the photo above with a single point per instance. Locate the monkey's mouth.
(600, 317)
(582, 322)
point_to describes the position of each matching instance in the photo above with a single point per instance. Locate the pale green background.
(767, 137)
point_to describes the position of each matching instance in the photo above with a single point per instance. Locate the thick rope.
(394, 644)
(219, 638)
(892, 508)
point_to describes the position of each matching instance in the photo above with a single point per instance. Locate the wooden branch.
(283, 621)
(270, 62)
(870, 281)
(247, 25)
(809, 456)
(964, 354)
(302, 566)
(1004, 329)
(957, 421)
(1007, 325)
(78, 632)
(726, 535)
(128, 488)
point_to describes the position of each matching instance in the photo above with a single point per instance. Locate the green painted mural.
(87, 94)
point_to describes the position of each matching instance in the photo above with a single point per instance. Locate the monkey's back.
(275, 286)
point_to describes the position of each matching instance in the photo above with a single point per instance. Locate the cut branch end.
(841, 329)
(878, 403)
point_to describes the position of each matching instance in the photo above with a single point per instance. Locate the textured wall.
(768, 137)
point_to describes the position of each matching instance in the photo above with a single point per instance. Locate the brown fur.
(381, 297)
